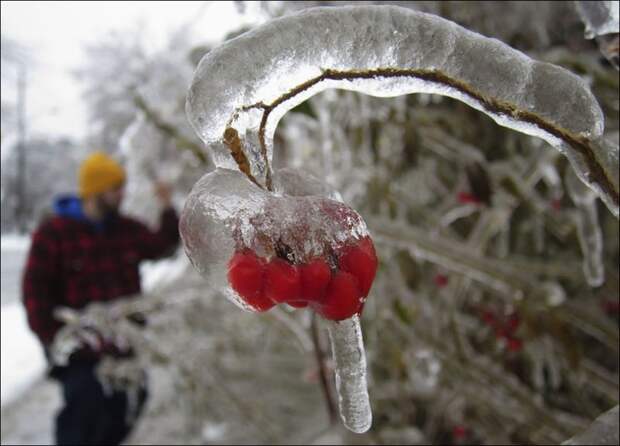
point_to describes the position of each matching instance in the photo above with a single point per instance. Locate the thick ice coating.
(216, 223)
(248, 83)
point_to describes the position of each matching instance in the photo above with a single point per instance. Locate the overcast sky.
(56, 32)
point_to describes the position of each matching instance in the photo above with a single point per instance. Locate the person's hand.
(163, 191)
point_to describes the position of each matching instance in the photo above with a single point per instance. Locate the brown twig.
(580, 144)
(233, 142)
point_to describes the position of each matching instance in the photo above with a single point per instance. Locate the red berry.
(501, 332)
(361, 261)
(513, 323)
(610, 307)
(314, 280)
(514, 344)
(488, 317)
(467, 198)
(298, 304)
(282, 281)
(342, 298)
(440, 280)
(245, 276)
(459, 432)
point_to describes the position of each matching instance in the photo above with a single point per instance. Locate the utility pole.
(20, 205)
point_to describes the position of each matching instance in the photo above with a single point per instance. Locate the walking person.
(89, 252)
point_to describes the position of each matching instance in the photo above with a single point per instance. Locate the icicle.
(588, 229)
(350, 363)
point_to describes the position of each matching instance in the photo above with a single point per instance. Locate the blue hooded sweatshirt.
(70, 206)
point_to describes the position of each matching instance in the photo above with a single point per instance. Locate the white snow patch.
(15, 242)
(22, 359)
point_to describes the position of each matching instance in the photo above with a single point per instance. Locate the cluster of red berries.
(504, 328)
(335, 294)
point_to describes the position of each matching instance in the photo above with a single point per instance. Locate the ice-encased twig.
(519, 402)
(251, 81)
(350, 367)
(588, 229)
(454, 256)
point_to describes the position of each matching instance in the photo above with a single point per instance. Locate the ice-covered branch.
(604, 430)
(169, 130)
(588, 229)
(250, 82)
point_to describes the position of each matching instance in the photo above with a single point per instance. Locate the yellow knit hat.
(99, 173)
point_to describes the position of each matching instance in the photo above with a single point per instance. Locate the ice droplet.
(424, 376)
(554, 293)
(350, 362)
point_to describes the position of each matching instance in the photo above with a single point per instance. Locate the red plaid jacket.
(72, 264)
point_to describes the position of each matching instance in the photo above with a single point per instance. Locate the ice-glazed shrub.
(268, 240)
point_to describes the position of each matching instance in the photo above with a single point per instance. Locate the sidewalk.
(30, 418)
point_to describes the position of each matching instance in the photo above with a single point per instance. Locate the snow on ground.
(14, 250)
(30, 419)
(22, 356)
(24, 420)
(22, 360)
(14, 242)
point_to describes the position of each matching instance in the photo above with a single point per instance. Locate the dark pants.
(91, 416)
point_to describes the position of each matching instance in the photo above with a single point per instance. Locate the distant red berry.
(245, 276)
(467, 198)
(315, 277)
(501, 332)
(556, 204)
(459, 432)
(488, 317)
(282, 281)
(361, 261)
(611, 306)
(514, 344)
(440, 280)
(513, 323)
(342, 298)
